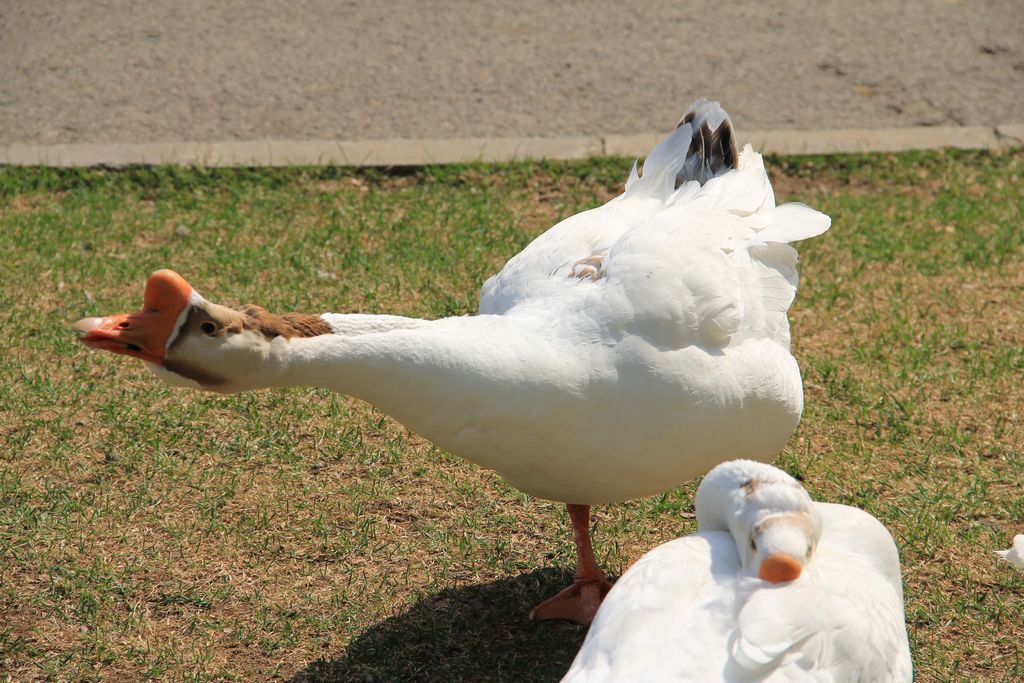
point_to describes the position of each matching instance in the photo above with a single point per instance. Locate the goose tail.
(712, 150)
(702, 147)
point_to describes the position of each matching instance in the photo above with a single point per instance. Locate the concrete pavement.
(195, 73)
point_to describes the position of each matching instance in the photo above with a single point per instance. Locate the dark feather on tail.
(713, 146)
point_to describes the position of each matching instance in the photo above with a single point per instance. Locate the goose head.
(769, 514)
(189, 341)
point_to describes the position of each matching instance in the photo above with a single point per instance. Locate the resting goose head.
(770, 516)
(189, 341)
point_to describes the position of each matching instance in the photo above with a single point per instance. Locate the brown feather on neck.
(287, 325)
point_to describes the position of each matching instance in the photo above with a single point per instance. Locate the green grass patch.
(300, 535)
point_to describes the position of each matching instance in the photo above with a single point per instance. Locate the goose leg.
(578, 602)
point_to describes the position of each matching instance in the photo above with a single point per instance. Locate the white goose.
(626, 350)
(772, 587)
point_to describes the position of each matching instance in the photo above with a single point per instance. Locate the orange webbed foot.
(578, 602)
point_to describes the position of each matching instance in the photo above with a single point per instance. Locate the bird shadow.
(471, 633)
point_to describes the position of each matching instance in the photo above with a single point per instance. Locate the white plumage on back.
(689, 265)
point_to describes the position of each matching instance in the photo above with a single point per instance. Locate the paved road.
(167, 70)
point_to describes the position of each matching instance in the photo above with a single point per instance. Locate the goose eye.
(208, 327)
(753, 543)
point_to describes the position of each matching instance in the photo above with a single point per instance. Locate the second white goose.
(773, 587)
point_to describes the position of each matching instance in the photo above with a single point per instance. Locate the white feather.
(1015, 555)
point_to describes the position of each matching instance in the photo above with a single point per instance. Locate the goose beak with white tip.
(146, 333)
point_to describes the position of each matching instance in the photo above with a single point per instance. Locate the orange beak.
(144, 333)
(779, 567)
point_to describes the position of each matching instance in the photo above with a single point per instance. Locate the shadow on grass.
(473, 633)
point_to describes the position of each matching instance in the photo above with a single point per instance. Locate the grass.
(304, 536)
